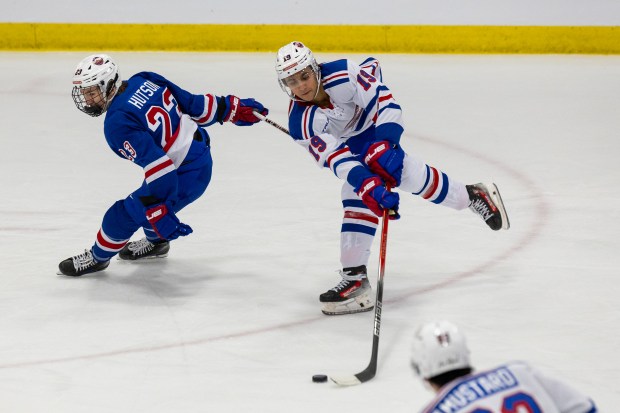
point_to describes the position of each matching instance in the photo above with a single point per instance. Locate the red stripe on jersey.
(172, 140)
(360, 215)
(206, 117)
(384, 98)
(158, 168)
(331, 157)
(111, 245)
(433, 188)
(335, 76)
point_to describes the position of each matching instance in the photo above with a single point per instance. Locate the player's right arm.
(328, 151)
(208, 109)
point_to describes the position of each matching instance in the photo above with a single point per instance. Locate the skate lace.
(140, 247)
(482, 208)
(346, 280)
(83, 261)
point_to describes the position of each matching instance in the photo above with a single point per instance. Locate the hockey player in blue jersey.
(440, 357)
(349, 121)
(155, 124)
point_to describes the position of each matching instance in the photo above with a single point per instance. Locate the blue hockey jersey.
(152, 123)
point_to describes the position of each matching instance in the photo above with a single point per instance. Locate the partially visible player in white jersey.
(348, 120)
(440, 356)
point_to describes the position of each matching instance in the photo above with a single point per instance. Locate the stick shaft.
(271, 122)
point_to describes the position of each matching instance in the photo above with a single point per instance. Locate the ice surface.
(231, 322)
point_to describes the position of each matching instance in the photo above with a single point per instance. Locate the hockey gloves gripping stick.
(373, 193)
(386, 160)
(378, 198)
(239, 111)
(165, 224)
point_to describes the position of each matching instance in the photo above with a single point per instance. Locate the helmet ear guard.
(438, 347)
(99, 75)
(293, 58)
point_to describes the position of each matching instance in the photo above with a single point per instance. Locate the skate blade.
(355, 305)
(155, 257)
(497, 198)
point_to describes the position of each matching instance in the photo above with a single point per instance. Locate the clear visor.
(298, 78)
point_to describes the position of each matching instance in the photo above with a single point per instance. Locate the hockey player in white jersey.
(349, 121)
(440, 356)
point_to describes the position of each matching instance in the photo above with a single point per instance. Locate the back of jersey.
(511, 388)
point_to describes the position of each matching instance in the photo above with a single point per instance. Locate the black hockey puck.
(319, 378)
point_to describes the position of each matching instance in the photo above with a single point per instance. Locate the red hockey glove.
(377, 198)
(240, 111)
(386, 160)
(165, 223)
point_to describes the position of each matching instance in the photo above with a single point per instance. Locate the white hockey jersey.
(362, 111)
(511, 388)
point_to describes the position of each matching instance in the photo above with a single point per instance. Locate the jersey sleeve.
(567, 399)
(160, 174)
(308, 128)
(203, 109)
(376, 99)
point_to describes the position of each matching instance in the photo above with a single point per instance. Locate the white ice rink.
(230, 321)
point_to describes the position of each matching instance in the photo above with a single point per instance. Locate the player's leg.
(193, 179)
(116, 229)
(353, 293)
(437, 187)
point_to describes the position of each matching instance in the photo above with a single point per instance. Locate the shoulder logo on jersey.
(128, 151)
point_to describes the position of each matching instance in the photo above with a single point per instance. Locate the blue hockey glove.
(386, 160)
(377, 198)
(165, 223)
(240, 111)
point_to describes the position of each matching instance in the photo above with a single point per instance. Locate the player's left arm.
(566, 398)
(208, 109)
(385, 156)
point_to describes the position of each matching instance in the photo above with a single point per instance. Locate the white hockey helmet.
(98, 73)
(292, 58)
(438, 347)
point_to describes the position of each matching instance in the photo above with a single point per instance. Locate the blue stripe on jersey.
(329, 68)
(311, 120)
(390, 106)
(358, 228)
(428, 176)
(444, 189)
(295, 121)
(336, 82)
(389, 131)
(354, 203)
(370, 106)
(337, 163)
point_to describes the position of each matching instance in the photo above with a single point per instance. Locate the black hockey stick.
(371, 370)
(272, 123)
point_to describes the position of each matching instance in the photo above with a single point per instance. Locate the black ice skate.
(486, 201)
(82, 264)
(352, 295)
(138, 250)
